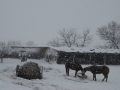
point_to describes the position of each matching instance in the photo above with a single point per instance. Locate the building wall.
(89, 58)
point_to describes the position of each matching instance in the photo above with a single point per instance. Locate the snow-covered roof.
(76, 49)
(19, 46)
(87, 50)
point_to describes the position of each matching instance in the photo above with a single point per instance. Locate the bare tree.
(10, 44)
(85, 39)
(68, 37)
(111, 34)
(2, 50)
(55, 43)
(2, 46)
(71, 38)
(30, 43)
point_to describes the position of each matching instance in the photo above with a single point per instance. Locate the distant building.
(74, 54)
(37, 52)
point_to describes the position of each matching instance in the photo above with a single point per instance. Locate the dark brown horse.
(73, 66)
(97, 70)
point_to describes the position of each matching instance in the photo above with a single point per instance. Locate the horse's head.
(84, 71)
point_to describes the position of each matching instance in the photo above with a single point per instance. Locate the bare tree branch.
(30, 43)
(71, 38)
(110, 34)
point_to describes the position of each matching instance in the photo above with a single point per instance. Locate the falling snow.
(54, 78)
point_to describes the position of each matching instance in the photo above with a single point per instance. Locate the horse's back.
(101, 69)
(73, 66)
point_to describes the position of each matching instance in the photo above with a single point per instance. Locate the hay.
(29, 70)
(82, 76)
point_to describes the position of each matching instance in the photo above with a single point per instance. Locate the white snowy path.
(54, 78)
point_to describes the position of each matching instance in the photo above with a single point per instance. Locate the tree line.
(70, 37)
(6, 46)
(109, 33)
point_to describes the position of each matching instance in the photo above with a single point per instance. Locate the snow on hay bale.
(29, 70)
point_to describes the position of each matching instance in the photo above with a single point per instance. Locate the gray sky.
(40, 20)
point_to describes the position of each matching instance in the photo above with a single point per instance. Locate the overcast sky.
(40, 20)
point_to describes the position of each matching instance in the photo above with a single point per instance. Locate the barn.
(88, 56)
(94, 56)
(36, 52)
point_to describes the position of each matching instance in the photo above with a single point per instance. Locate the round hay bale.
(29, 70)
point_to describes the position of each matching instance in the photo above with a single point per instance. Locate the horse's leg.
(66, 70)
(94, 77)
(104, 77)
(76, 72)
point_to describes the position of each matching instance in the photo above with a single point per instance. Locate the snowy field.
(54, 78)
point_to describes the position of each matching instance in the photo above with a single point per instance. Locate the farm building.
(80, 55)
(36, 52)
(88, 56)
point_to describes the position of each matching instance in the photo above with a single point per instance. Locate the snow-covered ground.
(54, 78)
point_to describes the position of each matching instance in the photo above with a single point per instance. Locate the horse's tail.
(107, 69)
